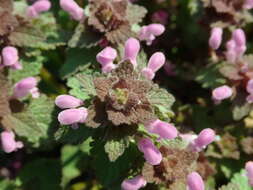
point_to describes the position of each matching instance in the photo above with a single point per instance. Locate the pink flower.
(204, 138)
(222, 93)
(11, 58)
(151, 154)
(150, 32)
(249, 98)
(248, 4)
(249, 172)
(106, 58)
(249, 87)
(73, 116)
(195, 182)
(215, 38)
(70, 6)
(8, 142)
(160, 16)
(67, 101)
(156, 61)
(134, 183)
(238, 36)
(163, 129)
(24, 87)
(38, 7)
(132, 48)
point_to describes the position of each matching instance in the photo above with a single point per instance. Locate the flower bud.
(10, 56)
(250, 86)
(238, 36)
(8, 142)
(132, 48)
(106, 56)
(222, 93)
(134, 183)
(67, 101)
(148, 73)
(205, 137)
(156, 29)
(249, 172)
(24, 87)
(195, 182)
(151, 154)
(156, 61)
(73, 116)
(148, 33)
(70, 6)
(38, 7)
(163, 129)
(215, 38)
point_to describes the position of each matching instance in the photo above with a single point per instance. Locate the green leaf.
(31, 67)
(41, 174)
(241, 180)
(115, 148)
(7, 185)
(240, 108)
(36, 123)
(82, 86)
(210, 77)
(230, 186)
(78, 60)
(161, 102)
(135, 13)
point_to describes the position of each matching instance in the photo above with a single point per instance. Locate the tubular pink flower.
(249, 87)
(67, 101)
(10, 56)
(24, 87)
(195, 182)
(148, 33)
(106, 56)
(151, 154)
(160, 16)
(70, 6)
(222, 93)
(215, 38)
(249, 172)
(108, 68)
(204, 138)
(8, 142)
(38, 7)
(156, 61)
(73, 116)
(248, 4)
(238, 36)
(163, 129)
(132, 48)
(134, 183)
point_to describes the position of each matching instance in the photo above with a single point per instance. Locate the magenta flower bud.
(148, 73)
(134, 183)
(73, 116)
(248, 4)
(132, 48)
(106, 56)
(67, 101)
(24, 87)
(10, 56)
(249, 172)
(250, 86)
(156, 61)
(70, 6)
(238, 36)
(38, 7)
(108, 68)
(151, 154)
(195, 182)
(163, 129)
(222, 93)
(215, 38)
(156, 29)
(204, 138)
(160, 16)
(8, 142)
